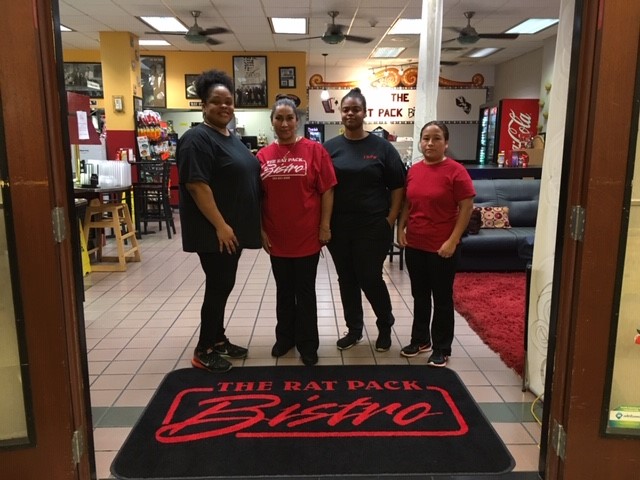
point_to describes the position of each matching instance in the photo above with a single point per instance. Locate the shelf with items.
(157, 141)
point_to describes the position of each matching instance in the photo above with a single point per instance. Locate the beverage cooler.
(509, 124)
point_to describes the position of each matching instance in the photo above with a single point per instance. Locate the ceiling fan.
(334, 34)
(197, 34)
(469, 35)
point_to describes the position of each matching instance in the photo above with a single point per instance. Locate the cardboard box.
(535, 156)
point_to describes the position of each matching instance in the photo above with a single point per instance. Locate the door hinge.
(558, 439)
(578, 214)
(77, 445)
(59, 224)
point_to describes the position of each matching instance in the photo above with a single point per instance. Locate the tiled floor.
(143, 323)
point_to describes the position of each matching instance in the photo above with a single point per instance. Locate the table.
(90, 193)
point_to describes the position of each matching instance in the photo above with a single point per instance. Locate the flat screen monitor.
(314, 132)
(251, 141)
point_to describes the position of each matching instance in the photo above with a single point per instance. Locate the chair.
(114, 215)
(395, 249)
(152, 196)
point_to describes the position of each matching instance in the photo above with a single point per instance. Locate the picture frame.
(84, 78)
(250, 82)
(287, 76)
(154, 85)
(190, 85)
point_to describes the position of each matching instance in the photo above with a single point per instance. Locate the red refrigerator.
(509, 124)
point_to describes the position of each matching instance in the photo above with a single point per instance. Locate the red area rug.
(493, 304)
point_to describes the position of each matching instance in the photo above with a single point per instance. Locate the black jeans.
(296, 308)
(358, 255)
(432, 274)
(220, 277)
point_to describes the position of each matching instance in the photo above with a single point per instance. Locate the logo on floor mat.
(316, 409)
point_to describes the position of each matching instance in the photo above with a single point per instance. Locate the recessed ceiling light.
(65, 29)
(289, 25)
(165, 24)
(533, 25)
(387, 52)
(407, 26)
(154, 43)
(481, 52)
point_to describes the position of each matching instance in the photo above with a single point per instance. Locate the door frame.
(34, 112)
(597, 153)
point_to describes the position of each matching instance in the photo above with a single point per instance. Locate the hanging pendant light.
(324, 95)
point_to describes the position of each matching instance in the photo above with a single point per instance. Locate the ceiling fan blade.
(304, 38)
(213, 41)
(499, 36)
(354, 38)
(166, 33)
(454, 29)
(215, 31)
(448, 63)
(449, 41)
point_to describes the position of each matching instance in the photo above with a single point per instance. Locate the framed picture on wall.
(84, 78)
(190, 85)
(154, 87)
(250, 82)
(287, 77)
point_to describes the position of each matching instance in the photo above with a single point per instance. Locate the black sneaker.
(383, 343)
(309, 359)
(414, 349)
(229, 350)
(279, 349)
(437, 359)
(207, 359)
(348, 341)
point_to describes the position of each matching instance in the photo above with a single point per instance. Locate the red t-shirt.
(294, 177)
(433, 193)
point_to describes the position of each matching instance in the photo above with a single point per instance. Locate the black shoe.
(383, 343)
(229, 350)
(348, 341)
(279, 349)
(437, 359)
(414, 349)
(207, 359)
(309, 359)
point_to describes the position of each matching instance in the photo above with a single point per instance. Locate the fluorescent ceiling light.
(154, 43)
(165, 24)
(407, 26)
(387, 52)
(289, 25)
(481, 52)
(65, 29)
(533, 25)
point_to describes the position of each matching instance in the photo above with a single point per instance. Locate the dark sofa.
(503, 249)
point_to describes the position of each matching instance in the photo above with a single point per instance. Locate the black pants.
(432, 274)
(296, 307)
(220, 277)
(358, 255)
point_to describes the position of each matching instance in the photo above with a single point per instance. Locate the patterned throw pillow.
(495, 217)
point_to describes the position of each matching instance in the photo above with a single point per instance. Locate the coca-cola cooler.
(509, 124)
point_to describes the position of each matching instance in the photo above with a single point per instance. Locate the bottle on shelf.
(501, 159)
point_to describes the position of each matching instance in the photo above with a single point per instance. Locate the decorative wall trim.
(391, 77)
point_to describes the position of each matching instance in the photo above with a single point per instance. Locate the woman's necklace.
(289, 146)
(224, 131)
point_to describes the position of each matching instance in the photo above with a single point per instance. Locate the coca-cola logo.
(519, 129)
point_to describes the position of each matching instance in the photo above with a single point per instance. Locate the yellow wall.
(177, 64)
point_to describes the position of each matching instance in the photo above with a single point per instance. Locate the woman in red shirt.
(297, 179)
(439, 201)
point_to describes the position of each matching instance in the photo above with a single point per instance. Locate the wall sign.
(392, 105)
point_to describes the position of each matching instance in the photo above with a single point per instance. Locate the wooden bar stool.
(101, 216)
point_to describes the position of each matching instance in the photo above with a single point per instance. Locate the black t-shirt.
(233, 173)
(367, 170)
